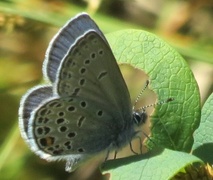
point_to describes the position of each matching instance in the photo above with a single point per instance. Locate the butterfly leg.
(116, 152)
(140, 143)
(107, 156)
(149, 138)
(130, 144)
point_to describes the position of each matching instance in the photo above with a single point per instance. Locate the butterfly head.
(139, 118)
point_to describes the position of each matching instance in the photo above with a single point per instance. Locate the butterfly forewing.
(63, 40)
(90, 70)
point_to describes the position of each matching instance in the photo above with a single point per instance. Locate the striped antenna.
(138, 97)
(158, 103)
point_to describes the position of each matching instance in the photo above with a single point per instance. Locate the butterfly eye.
(139, 118)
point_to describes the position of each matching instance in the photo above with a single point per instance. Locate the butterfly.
(86, 107)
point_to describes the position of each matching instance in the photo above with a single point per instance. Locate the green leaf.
(164, 165)
(173, 123)
(203, 146)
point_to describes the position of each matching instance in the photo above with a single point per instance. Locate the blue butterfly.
(86, 108)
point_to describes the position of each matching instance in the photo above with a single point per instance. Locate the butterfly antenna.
(144, 88)
(155, 104)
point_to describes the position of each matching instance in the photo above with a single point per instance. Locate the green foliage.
(204, 133)
(173, 123)
(203, 146)
(157, 164)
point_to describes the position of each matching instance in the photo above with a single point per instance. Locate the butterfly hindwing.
(72, 125)
(29, 102)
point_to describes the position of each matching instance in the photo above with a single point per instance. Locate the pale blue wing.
(99, 89)
(88, 109)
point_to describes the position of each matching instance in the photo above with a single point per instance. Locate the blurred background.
(26, 27)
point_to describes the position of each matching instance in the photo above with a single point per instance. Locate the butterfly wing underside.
(88, 103)
(87, 96)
